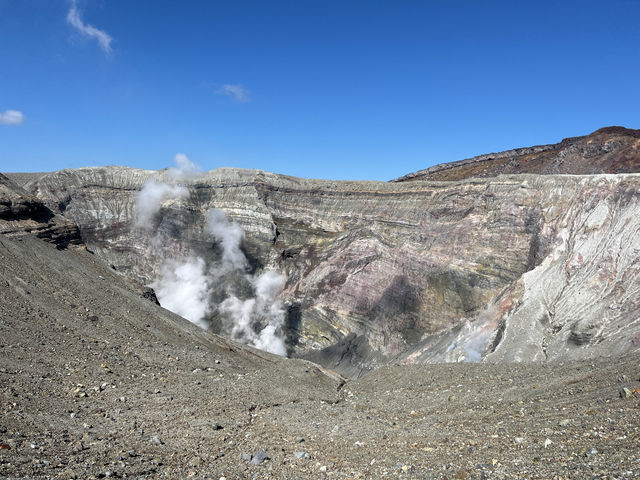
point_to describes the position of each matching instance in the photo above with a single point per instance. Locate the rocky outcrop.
(22, 213)
(520, 267)
(581, 299)
(608, 150)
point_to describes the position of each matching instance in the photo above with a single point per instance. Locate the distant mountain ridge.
(607, 150)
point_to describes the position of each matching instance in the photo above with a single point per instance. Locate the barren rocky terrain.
(98, 382)
(514, 267)
(535, 278)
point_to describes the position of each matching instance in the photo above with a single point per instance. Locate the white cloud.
(11, 117)
(74, 19)
(237, 92)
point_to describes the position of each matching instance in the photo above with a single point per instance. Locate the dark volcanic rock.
(22, 213)
(150, 294)
(351, 356)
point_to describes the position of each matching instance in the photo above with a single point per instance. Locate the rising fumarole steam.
(185, 169)
(183, 288)
(259, 320)
(473, 338)
(230, 237)
(186, 286)
(150, 199)
(264, 309)
(153, 194)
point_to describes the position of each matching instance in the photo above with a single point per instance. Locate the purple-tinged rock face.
(512, 268)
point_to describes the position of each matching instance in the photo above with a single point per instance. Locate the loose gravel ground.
(98, 382)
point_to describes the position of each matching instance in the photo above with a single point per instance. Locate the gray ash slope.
(129, 390)
(97, 381)
(91, 369)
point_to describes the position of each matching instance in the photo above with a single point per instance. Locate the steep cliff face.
(519, 267)
(21, 213)
(581, 299)
(608, 150)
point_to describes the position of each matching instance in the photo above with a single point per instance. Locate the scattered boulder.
(626, 393)
(149, 294)
(259, 458)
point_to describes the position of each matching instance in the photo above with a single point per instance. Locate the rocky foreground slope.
(97, 381)
(515, 268)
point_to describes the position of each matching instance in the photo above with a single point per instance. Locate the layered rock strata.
(519, 267)
(22, 213)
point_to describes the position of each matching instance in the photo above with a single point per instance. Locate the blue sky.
(343, 89)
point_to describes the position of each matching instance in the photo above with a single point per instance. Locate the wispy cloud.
(74, 19)
(237, 92)
(11, 117)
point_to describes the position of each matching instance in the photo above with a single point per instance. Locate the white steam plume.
(153, 194)
(230, 236)
(150, 199)
(265, 311)
(186, 287)
(256, 321)
(183, 288)
(184, 169)
(473, 338)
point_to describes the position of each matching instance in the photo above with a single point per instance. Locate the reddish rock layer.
(608, 150)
